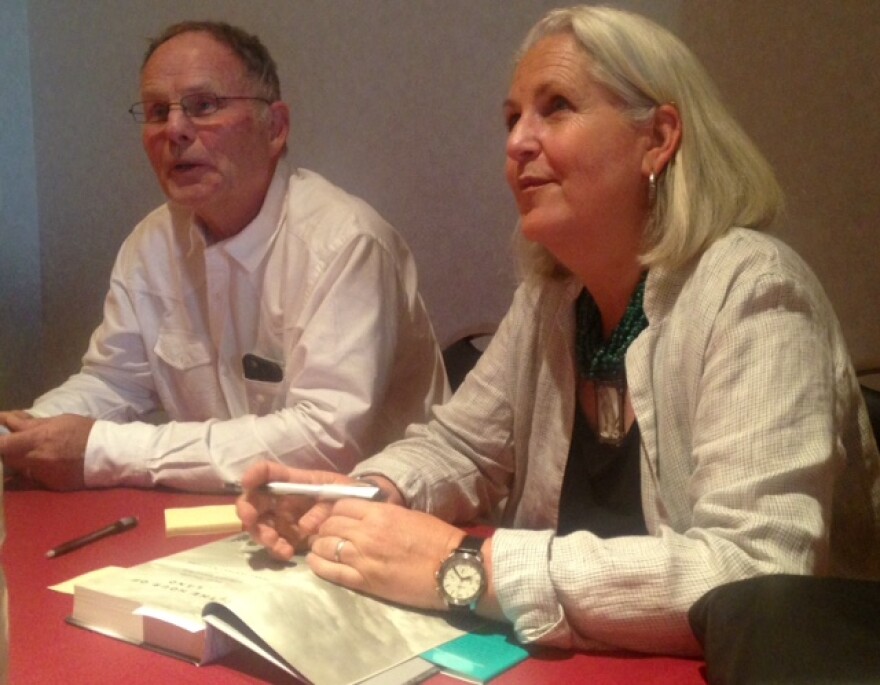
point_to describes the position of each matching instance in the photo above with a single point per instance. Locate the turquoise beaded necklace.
(604, 360)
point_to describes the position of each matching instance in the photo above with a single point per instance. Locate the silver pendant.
(610, 402)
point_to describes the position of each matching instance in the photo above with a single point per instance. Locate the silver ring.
(338, 552)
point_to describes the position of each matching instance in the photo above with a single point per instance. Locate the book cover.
(201, 603)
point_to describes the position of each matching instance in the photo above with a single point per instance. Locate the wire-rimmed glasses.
(194, 106)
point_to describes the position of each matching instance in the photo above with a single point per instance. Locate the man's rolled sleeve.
(114, 454)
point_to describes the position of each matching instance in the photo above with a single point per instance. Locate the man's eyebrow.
(160, 95)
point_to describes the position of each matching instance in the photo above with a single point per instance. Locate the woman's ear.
(665, 139)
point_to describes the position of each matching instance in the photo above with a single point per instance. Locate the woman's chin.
(539, 231)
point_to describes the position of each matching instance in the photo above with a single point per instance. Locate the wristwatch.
(461, 578)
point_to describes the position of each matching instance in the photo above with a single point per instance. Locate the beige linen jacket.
(757, 455)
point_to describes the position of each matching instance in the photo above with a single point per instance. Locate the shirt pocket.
(264, 397)
(187, 377)
(182, 350)
(264, 384)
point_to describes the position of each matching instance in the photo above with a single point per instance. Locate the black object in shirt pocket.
(258, 368)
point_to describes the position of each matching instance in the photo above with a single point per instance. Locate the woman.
(668, 405)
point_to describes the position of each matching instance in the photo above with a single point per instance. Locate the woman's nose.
(522, 141)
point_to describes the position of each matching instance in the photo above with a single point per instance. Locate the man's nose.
(179, 126)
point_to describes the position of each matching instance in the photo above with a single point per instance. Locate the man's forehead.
(190, 62)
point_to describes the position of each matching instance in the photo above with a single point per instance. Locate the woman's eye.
(559, 103)
(510, 121)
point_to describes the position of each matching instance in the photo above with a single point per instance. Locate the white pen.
(328, 491)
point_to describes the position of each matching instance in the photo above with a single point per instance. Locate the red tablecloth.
(45, 649)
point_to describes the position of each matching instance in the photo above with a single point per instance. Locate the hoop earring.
(652, 189)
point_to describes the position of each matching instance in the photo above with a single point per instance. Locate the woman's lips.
(531, 182)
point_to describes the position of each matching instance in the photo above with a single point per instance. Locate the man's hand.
(5, 416)
(50, 452)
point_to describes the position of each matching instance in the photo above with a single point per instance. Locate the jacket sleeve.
(459, 465)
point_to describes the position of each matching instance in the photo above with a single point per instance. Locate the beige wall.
(399, 102)
(803, 77)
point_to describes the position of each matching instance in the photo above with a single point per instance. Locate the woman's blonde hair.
(717, 179)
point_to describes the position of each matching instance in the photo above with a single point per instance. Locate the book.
(478, 656)
(410, 672)
(202, 603)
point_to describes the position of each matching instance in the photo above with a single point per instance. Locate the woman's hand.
(383, 550)
(283, 524)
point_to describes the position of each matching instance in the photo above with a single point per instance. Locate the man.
(267, 312)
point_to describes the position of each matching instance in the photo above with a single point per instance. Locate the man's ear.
(665, 139)
(279, 125)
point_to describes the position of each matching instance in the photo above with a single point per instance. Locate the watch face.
(462, 579)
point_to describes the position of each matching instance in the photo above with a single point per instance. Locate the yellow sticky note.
(218, 518)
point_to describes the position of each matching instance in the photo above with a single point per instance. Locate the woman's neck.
(608, 267)
(611, 289)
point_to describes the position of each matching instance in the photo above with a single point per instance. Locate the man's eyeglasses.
(194, 106)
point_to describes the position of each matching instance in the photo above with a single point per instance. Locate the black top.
(601, 490)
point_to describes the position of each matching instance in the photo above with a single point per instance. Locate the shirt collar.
(250, 245)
